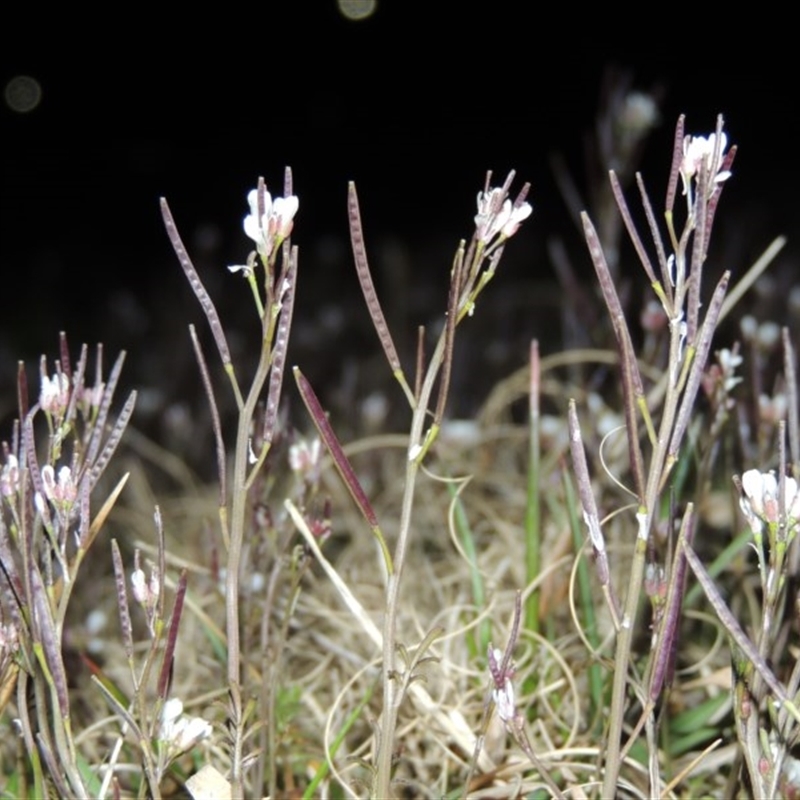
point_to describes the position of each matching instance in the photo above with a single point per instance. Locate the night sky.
(413, 103)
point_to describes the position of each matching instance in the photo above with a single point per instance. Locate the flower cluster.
(700, 153)
(760, 502)
(54, 394)
(179, 732)
(63, 492)
(497, 215)
(268, 224)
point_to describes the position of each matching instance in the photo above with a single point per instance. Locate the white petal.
(752, 484)
(285, 207)
(252, 228)
(173, 708)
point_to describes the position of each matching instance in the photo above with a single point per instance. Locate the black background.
(413, 104)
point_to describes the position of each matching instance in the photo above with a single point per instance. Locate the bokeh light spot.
(22, 94)
(357, 10)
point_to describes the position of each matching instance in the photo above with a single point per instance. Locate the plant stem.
(238, 514)
(645, 519)
(391, 693)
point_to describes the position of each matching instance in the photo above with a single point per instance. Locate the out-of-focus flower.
(749, 327)
(760, 501)
(179, 732)
(768, 335)
(639, 113)
(771, 410)
(728, 361)
(304, 458)
(54, 394)
(91, 397)
(653, 318)
(708, 152)
(9, 477)
(269, 229)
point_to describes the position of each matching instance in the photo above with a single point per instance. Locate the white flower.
(497, 215)
(760, 501)
(54, 394)
(181, 733)
(245, 269)
(193, 730)
(270, 228)
(62, 494)
(505, 701)
(9, 477)
(503, 692)
(699, 151)
(282, 219)
(489, 205)
(515, 218)
(172, 709)
(304, 456)
(728, 361)
(146, 594)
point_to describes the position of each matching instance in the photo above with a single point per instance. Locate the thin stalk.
(587, 604)
(631, 609)
(391, 695)
(533, 512)
(238, 514)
